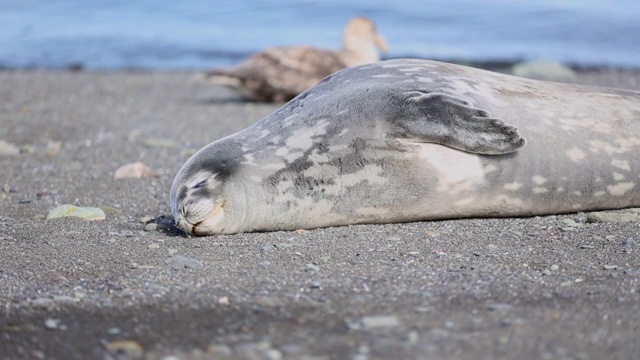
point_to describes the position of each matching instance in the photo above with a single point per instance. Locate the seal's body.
(408, 140)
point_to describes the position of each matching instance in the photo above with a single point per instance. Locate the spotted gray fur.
(407, 140)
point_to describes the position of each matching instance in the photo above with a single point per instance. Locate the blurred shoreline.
(494, 65)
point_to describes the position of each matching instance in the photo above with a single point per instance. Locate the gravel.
(420, 290)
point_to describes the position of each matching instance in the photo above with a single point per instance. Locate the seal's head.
(203, 193)
(197, 203)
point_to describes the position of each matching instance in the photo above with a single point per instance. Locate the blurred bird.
(281, 73)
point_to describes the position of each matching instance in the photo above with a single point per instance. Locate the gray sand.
(551, 287)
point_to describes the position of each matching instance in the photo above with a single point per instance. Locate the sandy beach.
(554, 287)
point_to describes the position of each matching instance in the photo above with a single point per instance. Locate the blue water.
(161, 34)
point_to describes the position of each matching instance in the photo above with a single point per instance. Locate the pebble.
(153, 246)
(315, 285)
(109, 210)
(8, 149)
(570, 223)
(41, 302)
(607, 217)
(224, 300)
(128, 348)
(87, 213)
(134, 170)
(554, 267)
(311, 267)
(178, 262)
(268, 248)
(629, 243)
(151, 227)
(610, 267)
(379, 321)
(146, 219)
(51, 324)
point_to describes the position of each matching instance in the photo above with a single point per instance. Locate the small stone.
(629, 243)
(554, 267)
(145, 219)
(153, 246)
(87, 213)
(178, 262)
(223, 300)
(41, 302)
(135, 170)
(268, 248)
(607, 217)
(109, 210)
(422, 309)
(51, 324)
(315, 285)
(379, 321)
(151, 227)
(546, 272)
(8, 149)
(113, 331)
(127, 348)
(311, 267)
(610, 267)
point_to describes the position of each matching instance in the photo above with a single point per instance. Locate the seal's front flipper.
(451, 121)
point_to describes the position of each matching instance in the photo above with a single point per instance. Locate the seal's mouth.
(202, 225)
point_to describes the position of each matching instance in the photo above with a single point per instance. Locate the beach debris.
(133, 170)
(8, 149)
(87, 213)
(544, 70)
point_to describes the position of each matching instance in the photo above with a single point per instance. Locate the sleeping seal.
(408, 140)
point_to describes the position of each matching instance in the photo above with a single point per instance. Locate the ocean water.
(199, 34)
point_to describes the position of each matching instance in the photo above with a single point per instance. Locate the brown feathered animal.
(281, 73)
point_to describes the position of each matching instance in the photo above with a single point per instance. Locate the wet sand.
(552, 287)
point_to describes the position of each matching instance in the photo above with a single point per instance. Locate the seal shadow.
(166, 224)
